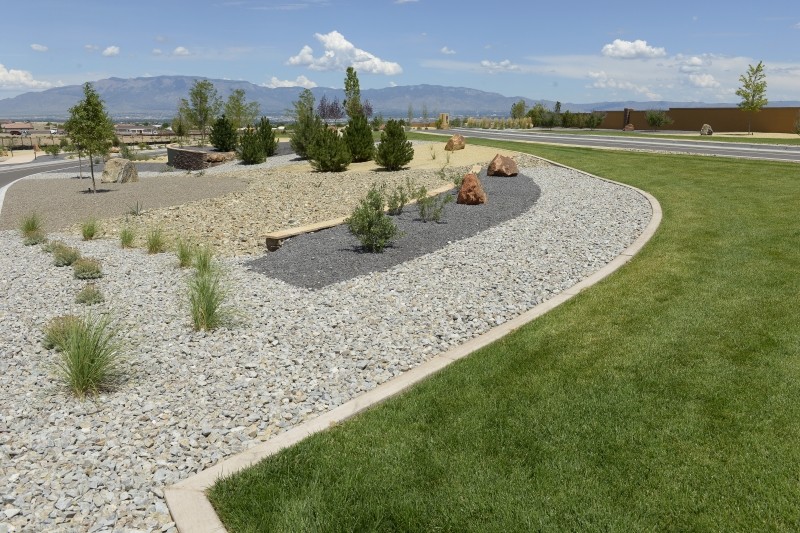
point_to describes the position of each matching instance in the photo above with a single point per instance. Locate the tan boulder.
(706, 130)
(502, 166)
(456, 142)
(628, 127)
(119, 170)
(471, 191)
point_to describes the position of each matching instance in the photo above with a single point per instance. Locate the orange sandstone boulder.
(471, 191)
(502, 166)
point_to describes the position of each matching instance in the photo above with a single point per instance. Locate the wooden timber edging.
(275, 239)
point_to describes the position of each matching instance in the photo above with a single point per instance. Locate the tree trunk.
(91, 167)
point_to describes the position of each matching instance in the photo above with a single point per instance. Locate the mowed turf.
(665, 398)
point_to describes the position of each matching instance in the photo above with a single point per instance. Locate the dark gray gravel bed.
(316, 260)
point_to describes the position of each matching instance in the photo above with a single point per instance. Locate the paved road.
(724, 149)
(11, 173)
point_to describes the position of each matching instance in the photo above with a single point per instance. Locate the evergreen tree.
(307, 124)
(395, 150)
(358, 137)
(266, 136)
(251, 150)
(89, 127)
(352, 94)
(223, 135)
(329, 152)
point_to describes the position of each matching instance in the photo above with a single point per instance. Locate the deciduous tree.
(753, 91)
(202, 107)
(239, 111)
(352, 94)
(518, 109)
(89, 127)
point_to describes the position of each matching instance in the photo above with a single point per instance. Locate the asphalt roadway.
(774, 152)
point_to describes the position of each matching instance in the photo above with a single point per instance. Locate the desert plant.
(397, 200)
(206, 300)
(137, 209)
(155, 241)
(184, 249)
(91, 360)
(31, 228)
(126, 236)
(89, 295)
(394, 150)
(433, 151)
(370, 224)
(64, 255)
(329, 152)
(431, 207)
(358, 137)
(58, 330)
(87, 268)
(52, 149)
(89, 229)
(125, 152)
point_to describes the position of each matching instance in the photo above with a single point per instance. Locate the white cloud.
(20, 79)
(503, 66)
(392, 84)
(405, 1)
(91, 47)
(180, 51)
(797, 26)
(300, 81)
(637, 49)
(340, 54)
(157, 51)
(703, 81)
(111, 51)
(446, 51)
(692, 64)
(39, 48)
(603, 81)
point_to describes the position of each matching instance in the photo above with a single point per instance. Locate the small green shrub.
(126, 236)
(431, 207)
(89, 295)
(329, 152)
(89, 229)
(90, 361)
(184, 250)
(52, 149)
(395, 150)
(87, 268)
(155, 241)
(370, 224)
(206, 300)
(58, 330)
(125, 152)
(64, 255)
(397, 200)
(251, 151)
(31, 228)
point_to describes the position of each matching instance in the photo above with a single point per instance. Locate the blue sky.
(570, 51)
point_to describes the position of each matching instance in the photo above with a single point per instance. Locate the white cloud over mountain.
(637, 49)
(300, 81)
(339, 54)
(20, 79)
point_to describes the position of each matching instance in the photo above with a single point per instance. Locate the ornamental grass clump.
(89, 229)
(126, 236)
(64, 255)
(32, 230)
(90, 359)
(207, 296)
(87, 268)
(58, 330)
(184, 250)
(89, 295)
(203, 259)
(155, 241)
(373, 228)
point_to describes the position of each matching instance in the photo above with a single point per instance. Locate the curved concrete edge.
(187, 501)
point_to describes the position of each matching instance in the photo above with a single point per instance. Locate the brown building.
(721, 119)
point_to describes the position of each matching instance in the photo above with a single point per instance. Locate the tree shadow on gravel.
(316, 260)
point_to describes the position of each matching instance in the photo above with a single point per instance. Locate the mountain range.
(157, 98)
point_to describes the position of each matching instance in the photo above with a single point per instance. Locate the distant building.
(17, 128)
(135, 129)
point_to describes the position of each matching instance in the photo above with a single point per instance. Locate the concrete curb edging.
(187, 502)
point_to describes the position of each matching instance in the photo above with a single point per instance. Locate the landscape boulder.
(502, 166)
(706, 130)
(119, 170)
(471, 191)
(456, 142)
(628, 127)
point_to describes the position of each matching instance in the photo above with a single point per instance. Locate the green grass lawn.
(665, 398)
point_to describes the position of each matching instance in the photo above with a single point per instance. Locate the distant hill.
(158, 97)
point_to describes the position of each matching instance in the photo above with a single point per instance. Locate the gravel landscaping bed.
(194, 398)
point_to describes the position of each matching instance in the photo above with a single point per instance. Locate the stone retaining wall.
(186, 158)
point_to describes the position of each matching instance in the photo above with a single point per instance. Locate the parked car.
(15, 132)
